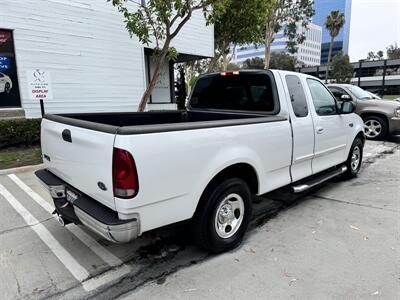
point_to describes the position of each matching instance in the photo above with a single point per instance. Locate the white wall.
(94, 64)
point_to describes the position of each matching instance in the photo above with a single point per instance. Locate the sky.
(375, 24)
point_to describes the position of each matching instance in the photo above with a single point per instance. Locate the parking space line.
(79, 272)
(85, 238)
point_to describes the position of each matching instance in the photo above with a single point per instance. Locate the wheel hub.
(229, 216)
(372, 128)
(355, 158)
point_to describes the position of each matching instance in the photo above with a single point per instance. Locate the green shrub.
(19, 132)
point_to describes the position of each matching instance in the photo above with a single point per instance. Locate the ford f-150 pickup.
(244, 133)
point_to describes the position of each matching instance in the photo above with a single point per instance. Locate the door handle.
(66, 135)
(320, 130)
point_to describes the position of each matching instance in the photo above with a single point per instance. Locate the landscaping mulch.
(14, 157)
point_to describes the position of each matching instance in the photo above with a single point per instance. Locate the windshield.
(360, 93)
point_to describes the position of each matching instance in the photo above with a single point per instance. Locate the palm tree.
(334, 22)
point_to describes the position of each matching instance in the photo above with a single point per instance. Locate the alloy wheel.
(372, 128)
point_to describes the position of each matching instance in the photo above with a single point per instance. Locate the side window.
(338, 93)
(297, 96)
(324, 102)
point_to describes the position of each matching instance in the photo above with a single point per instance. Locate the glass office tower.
(323, 8)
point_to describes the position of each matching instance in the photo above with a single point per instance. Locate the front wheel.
(223, 215)
(354, 159)
(375, 128)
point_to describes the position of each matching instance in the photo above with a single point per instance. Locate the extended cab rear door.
(302, 126)
(329, 126)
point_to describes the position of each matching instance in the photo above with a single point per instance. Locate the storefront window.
(9, 89)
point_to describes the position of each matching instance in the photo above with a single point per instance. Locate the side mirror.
(347, 107)
(345, 98)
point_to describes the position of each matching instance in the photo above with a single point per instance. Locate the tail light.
(125, 178)
(229, 73)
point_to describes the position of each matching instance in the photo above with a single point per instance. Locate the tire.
(7, 88)
(223, 203)
(354, 159)
(375, 128)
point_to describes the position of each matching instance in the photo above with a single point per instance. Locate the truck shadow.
(168, 249)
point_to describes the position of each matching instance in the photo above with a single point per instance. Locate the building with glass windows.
(308, 54)
(323, 8)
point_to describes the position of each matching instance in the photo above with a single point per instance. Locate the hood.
(381, 103)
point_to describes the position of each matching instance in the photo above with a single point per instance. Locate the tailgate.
(81, 157)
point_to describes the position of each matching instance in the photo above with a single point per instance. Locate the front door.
(329, 128)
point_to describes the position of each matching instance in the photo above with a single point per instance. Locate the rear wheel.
(223, 215)
(354, 159)
(375, 127)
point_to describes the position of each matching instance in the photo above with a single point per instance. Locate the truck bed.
(150, 122)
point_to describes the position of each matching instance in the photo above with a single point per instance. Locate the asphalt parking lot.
(340, 241)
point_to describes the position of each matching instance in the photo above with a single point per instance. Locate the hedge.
(19, 132)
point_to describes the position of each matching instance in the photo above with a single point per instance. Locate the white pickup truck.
(244, 134)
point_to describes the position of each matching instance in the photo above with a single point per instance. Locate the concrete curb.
(21, 169)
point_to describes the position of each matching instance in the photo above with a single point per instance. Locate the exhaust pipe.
(60, 220)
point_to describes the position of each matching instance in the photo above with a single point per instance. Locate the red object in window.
(125, 178)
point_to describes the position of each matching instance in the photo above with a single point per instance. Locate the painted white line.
(85, 238)
(63, 255)
(108, 277)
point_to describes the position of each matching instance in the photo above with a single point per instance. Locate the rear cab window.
(236, 91)
(297, 96)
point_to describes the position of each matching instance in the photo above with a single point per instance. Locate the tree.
(159, 22)
(288, 14)
(279, 61)
(236, 22)
(282, 61)
(342, 69)
(232, 67)
(393, 52)
(380, 54)
(334, 22)
(254, 63)
(371, 56)
(193, 69)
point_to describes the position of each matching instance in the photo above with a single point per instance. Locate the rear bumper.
(88, 212)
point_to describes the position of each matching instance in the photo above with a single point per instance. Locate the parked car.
(374, 96)
(244, 134)
(381, 117)
(5, 83)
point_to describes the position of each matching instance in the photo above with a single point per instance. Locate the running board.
(318, 180)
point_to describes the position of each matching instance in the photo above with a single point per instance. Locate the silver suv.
(381, 117)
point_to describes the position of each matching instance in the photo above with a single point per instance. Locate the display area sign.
(39, 84)
(9, 88)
